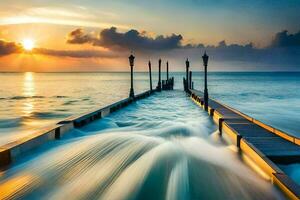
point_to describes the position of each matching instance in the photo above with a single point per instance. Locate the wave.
(126, 165)
(62, 110)
(148, 150)
(26, 97)
(45, 115)
(70, 102)
(251, 94)
(60, 97)
(21, 121)
(11, 122)
(86, 99)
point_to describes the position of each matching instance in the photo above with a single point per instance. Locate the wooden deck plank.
(274, 146)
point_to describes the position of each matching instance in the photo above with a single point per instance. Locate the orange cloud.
(76, 53)
(7, 48)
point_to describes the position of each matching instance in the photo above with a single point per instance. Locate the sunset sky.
(95, 35)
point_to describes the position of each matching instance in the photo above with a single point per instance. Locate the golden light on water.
(28, 85)
(28, 91)
(28, 44)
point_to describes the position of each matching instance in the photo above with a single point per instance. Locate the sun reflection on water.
(28, 84)
(28, 91)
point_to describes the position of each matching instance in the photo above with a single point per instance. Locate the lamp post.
(150, 75)
(205, 61)
(187, 64)
(159, 76)
(131, 63)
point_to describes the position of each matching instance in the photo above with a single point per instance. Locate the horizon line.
(297, 71)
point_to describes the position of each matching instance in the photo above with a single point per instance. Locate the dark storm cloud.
(235, 52)
(7, 48)
(284, 49)
(284, 39)
(249, 53)
(79, 37)
(131, 40)
(75, 54)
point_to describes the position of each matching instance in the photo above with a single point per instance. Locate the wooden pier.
(262, 144)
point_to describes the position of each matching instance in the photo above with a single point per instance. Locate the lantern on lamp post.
(205, 61)
(131, 63)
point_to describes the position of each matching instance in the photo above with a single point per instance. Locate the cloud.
(76, 53)
(248, 53)
(7, 48)
(130, 40)
(70, 15)
(283, 50)
(284, 39)
(79, 37)
(236, 52)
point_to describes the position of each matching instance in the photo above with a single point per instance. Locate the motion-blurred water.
(29, 101)
(162, 147)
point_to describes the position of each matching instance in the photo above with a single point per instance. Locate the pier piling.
(150, 75)
(187, 65)
(159, 76)
(190, 80)
(167, 70)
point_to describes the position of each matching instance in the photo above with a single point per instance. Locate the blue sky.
(206, 21)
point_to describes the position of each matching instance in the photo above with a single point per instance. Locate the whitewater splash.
(147, 151)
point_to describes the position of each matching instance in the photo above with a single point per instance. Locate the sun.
(28, 44)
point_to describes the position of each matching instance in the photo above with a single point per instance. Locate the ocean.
(30, 101)
(161, 147)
